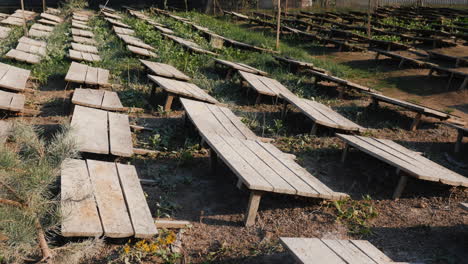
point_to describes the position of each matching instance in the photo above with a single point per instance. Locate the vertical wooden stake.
(252, 208)
(401, 185)
(168, 104)
(416, 121)
(24, 19)
(278, 26)
(345, 153)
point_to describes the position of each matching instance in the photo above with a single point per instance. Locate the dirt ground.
(425, 225)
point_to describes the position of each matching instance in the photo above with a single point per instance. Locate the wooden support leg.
(431, 71)
(416, 121)
(259, 98)
(252, 208)
(449, 81)
(313, 131)
(377, 56)
(169, 99)
(459, 141)
(401, 63)
(401, 185)
(340, 92)
(464, 83)
(345, 153)
(284, 110)
(374, 104)
(213, 161)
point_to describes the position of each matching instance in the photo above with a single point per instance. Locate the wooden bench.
(402, 59)
(296, 65)
(103, 198)
(134, 41)
(84, 48)
(175, 88)
(342, 83)
(320, 114)
(12, 102)
(461, 73)
(162, 28)
(141, 51)
(52, 17)
(38, 33)
(462, 132)
(102, 132)
(41, 27)
(84, 40)
(117, 23)
(315, 250)
(80, 18)
(111, 15)
(123, 31)
(83, 56)
(419, 109)
(190, 45)
(13, 78)
(100, 99)
(165, 70)
(19, 55)
(407, 162)
(47, 22)
(442, 56)
(84, 74)
(38, 50)
(82, 33)
(264, 86)
(210, 118)
(237, 66)
(261, 168)
(4, 32)
(81, 26)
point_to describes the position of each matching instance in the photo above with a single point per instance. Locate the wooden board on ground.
(33, 42)
(110, 15)
(130, 40)
(165, 70)
(408, 162)
(23, 56)
(264, 85)
(84, 40)
(141, 51)
(52, 17)
(103, 198)
(315, 250)
(13, 102)
(38, 50)
(83, 56)
(123, 31)
(82, 33)
(38, 33)
(42, 27)
(81, 73)
(4, 32)
(209, 118)
(13, 78)
(321, 114)
(84, 48)
(47, 21)
(299, 65)
(102, 132)
(190, 45)
(117, 23)
(261, 167)
(79, 26)
(240, 66)
(182, 89)
(100, 99)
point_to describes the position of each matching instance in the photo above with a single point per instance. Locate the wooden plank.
(103, 77)
(90, 129)
(17, 103)
(240, 66)
(23, 56)
(464, 206)
(85, 48)
(84, 40)
(141, 51)
(112, 102)
(32, 42)
(110, 200)
(175, 224)
(257, 84)
(370, 250)
(347, 251)
(165, 70)
(248, 134)
(91, 76)
(14, 78)
(5, 100)
(78, 205)
(310, 250)
(75, 55)
(52, 17)
(120, 136)
(140, 214)
(88, 97)
(76, 73)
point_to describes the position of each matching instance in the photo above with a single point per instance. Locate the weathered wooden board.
(123, 31)
(41, 27)
(165, 70)
(47, 22)
(33, 42)
(13, 78)
(79, 26)
(117, 23)
(78, 205)
(84, 40)
(52, 17)
(140, 215)
(339, 81)
(120, 136)
(38, 33)
(4, 32)
(81, 73)
(240, 67)
(184, 89)
(263, 85)
(83, 56)
(90, 128)
(190, 45)
(84, 48)
(82, 33)
(297, 64)
(110, 201)
(100, 99)
(110, 15)
(11, 101)
(23, 56)
(141, 51)
(31, 49)
(130, 40)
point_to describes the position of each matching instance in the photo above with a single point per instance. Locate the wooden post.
(345, 153)
(44, 6)
(369, 19)
(416, 121)
(259, 98)
(401, 184)
(278, 26)
(252, 208)
(313, 130)
(284, 110)
(169, 99)
(24, 19)
(459, 141)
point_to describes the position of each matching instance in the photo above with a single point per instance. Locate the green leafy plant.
(356, 214)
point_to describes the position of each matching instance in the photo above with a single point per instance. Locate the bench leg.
(313, 130)
(252, 208)
(401, 63)
(463, 85)
(284, 110)
(340, 92)
(374, 104)
(259, 98)
(345, 153)
(377, 56)
(401, 185)
(449, 81)
(169, 99)
(213, 161)
(416, 121)
(459, 141)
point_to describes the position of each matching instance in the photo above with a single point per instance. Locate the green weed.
(356, 214)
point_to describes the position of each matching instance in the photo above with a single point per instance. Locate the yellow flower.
(127, 249)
